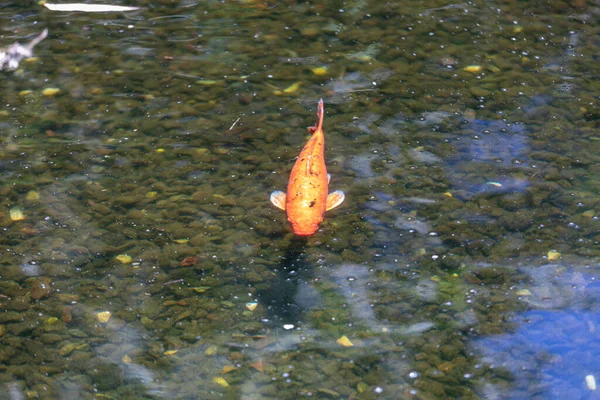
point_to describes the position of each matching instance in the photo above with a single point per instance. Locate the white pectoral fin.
(278, 199)
(334, 199)
(328, 178)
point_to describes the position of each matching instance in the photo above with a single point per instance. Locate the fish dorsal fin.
(334, 199)
(278, 199)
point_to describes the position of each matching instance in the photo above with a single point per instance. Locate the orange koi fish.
(307, 196)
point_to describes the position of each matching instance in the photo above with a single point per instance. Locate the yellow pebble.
(103, 316)
(126, 359)
(160, 150)
(447, 194)
(472, 68)
(32, 195)
(251, 306)
(319, 71)
(170, 352)
(25, 92)
(523, 292)
(220, 381)
(211, 350)
(50, 92)
(124, 258)
(16, 214)
(553, 255)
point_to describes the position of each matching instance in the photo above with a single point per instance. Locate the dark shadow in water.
(279, 296)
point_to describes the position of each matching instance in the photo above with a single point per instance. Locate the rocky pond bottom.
(140, 257)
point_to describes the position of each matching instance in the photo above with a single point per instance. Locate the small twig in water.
(172, 282)
(235, 122)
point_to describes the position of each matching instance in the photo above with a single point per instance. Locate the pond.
(141, 257)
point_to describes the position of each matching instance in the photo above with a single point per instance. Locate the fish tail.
(320, 112)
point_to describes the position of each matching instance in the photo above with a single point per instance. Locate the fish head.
(302, 228)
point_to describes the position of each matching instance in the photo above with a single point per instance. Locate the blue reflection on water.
(550, 353)
(490, 151)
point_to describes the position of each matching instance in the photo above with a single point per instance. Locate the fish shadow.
(291, 273)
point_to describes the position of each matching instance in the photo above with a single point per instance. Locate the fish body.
(308, 196)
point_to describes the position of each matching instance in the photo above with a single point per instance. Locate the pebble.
(41, 288)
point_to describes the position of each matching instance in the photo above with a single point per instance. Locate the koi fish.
(307, 196)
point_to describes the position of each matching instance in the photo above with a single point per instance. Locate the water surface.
(140, 256)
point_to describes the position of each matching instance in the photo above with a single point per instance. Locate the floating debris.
(329, 392)
(220, 381)
(188, 261)
(228, 368)
(589, 213)
(366, 55)
(68, 349)
(103, 316)
(16, 214)
(11, 56)
(251, 306)
(288, 327)
(553, 255)
(590, 382)
(258, 365)
(208, 82)
(124, 258)
(344, 341)
(288, 90)
(87, 7)
(496, 184)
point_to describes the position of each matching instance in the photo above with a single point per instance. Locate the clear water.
(140, 256)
